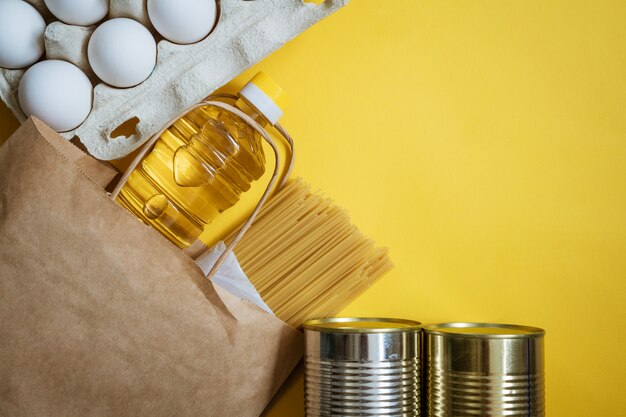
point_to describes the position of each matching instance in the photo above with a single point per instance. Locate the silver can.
(362, 367)
(480, 369)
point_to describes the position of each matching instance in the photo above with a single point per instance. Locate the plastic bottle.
(202, 163)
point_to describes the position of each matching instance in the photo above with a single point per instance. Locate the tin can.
(481, 369)
(362, 367)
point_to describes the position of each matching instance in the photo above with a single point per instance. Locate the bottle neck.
(243, 105)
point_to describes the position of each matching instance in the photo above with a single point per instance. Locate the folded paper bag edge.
(90, 167)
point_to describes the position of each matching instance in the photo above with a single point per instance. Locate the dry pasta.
(305, 257)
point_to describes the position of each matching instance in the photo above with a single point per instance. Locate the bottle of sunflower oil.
(202, 163)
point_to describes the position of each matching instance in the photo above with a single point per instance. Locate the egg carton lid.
(246, 32)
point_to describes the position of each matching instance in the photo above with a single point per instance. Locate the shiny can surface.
(362, 367)
(481, 369)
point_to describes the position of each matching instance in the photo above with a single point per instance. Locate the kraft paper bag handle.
(252, 123)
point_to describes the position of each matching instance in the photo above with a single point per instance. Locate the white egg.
(79, 12)
(122, 52)
(56, 92)
(21, 34)
(183, 21)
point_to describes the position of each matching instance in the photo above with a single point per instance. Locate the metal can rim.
(320, 325)
(531, 331)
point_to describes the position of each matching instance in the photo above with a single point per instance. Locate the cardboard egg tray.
(245, 32)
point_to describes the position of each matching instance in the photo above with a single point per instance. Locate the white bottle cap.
(266, 96)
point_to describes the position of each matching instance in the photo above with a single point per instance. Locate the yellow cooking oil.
(201, 165)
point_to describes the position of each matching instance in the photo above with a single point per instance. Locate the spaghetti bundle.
(305, 257)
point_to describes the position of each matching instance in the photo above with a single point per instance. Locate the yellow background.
(484, 142)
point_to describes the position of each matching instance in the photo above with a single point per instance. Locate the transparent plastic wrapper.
(230, 276)
(101, 316)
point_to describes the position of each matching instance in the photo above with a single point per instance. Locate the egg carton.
(245, 32)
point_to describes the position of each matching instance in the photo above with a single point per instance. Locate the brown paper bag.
(101, 316)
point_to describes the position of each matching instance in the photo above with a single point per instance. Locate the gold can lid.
(484, 330)
(362, 325)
